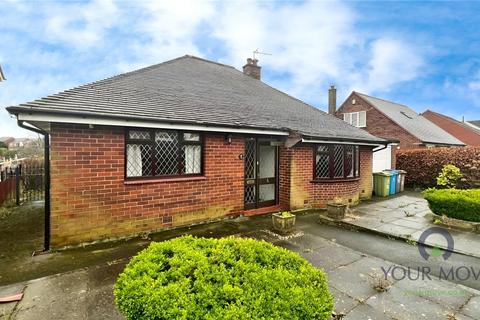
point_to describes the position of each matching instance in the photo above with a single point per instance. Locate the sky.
(422, 54)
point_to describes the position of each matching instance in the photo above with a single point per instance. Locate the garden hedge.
(454, 203)
(229, 278)
(424, 165)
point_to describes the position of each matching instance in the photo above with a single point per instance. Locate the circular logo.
(435, 251)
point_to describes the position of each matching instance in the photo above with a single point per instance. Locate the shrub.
(230, 278)
(424, 165)
(449, 176)
(454, 203)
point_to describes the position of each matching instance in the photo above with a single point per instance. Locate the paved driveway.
(87, 293)
(407, 216)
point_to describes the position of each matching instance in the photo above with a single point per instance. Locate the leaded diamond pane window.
(139, 135)
(151, 153)
(166, 153)
(349, 161)
(336, 161)
(322, 166)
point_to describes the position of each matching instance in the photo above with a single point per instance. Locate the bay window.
(159, 153)
(336, 161)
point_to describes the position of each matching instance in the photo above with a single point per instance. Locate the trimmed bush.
(229, 278)
(454, 203)
(424, 165)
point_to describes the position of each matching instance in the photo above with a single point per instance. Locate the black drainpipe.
(46, 151)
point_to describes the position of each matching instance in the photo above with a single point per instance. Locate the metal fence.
(22, 184)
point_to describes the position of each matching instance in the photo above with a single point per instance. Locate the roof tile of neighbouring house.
(191, 89)
(455, 121)
(425, 130)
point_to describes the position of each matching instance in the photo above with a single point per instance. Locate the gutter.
(81, 117)
(344, 142)
(46, 241)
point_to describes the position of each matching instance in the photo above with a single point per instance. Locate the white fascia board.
(342, 142)
(141, 124)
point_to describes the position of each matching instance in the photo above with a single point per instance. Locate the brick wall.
(377, 123)
(306, 193)
(285, 155)
(91, 201)
(366, 179)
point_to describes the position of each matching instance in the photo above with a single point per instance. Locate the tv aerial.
(256, 51)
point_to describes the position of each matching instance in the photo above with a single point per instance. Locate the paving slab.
(472, 308)
(59, 297)
(388, 217)
(331, 257)
(343, 303)
(399, 306)
(7, 308)
(410, 223)
(366, 312)
(394, 230)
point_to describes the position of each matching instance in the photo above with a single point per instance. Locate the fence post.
(17, 185)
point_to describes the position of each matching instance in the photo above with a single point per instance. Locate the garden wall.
(424, 165)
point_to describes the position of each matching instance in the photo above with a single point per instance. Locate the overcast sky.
(423, 54)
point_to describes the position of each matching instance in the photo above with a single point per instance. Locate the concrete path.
(87, 293)
(407, 216)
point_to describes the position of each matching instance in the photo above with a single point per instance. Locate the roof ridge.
(418, 115)
(209, 61)
(390, 101)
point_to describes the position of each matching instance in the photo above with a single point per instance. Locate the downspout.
(46, 151)
(380, 149)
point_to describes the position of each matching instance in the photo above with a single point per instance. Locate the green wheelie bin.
(381, 183)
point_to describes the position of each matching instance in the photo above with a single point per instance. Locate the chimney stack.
(332, 100)
(252, 69)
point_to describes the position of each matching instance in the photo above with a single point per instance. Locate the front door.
(260, 173)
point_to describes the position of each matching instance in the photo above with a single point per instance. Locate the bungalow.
(392, 121)
(184, 142)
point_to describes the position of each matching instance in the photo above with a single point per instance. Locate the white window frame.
(356, 119)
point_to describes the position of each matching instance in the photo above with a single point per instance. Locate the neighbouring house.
(392, 121)
(188, 141)
(460, 130)
(474, 123)
(19, 143)
(7, 140)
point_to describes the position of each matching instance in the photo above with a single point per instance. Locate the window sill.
(164, 180)
(334, 180)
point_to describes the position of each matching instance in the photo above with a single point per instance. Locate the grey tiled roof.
(194, 90)
(419, 126)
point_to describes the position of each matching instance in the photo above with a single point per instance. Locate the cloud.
(313, 44)
(391, 61)
(80, 25)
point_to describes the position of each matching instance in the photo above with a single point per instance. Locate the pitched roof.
(194, 90)
(460, 123)
(422, 128)
(476, 123)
